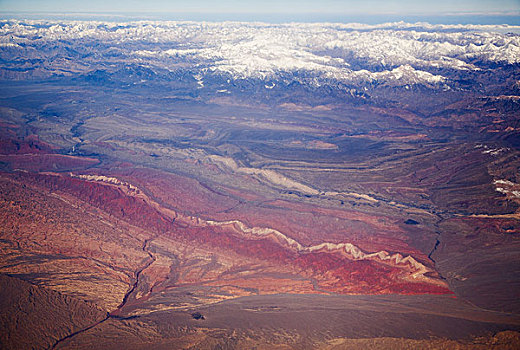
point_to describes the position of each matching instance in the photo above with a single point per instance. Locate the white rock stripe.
(418, 270)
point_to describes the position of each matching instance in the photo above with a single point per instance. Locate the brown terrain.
(136, 244)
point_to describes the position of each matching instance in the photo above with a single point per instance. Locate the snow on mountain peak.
(398, 53)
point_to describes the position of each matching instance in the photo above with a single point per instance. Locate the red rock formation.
(24, 145)
(335, 269)
(46, 162)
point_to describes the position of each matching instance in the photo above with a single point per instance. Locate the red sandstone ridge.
(46, 162)
(338, 267)
(296, 220)
(24, 145)
(32, 154)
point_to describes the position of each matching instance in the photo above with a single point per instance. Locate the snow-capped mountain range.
(399, 54)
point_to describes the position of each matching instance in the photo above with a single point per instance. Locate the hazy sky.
(424, 7)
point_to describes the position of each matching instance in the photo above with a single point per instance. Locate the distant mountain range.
(221, 57)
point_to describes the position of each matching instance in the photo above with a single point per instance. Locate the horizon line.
(447, 13)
